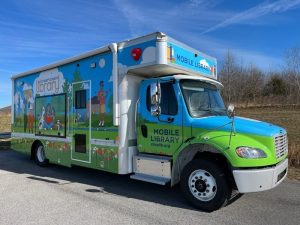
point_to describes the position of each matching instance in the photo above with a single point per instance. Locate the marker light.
(250, 153)
(136, 53)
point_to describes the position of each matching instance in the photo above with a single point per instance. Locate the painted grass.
(287, 117)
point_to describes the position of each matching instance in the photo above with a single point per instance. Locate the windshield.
(202, 99)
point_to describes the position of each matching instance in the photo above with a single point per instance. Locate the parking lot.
(58, 195)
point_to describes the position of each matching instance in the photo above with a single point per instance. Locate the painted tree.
(76, 76)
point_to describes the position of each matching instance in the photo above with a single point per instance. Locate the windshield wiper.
(203, 109)
(211, 110)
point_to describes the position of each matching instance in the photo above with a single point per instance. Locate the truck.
(149, 107)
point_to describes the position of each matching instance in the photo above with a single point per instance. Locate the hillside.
(5, 119)
(5, 110)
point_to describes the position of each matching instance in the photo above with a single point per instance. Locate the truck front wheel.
(205, 184)
(39, 156)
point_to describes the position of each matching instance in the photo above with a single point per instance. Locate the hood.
(241, 124)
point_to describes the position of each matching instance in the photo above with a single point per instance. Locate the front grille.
(281, 145)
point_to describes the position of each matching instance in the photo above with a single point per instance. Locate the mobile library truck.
(149, 107)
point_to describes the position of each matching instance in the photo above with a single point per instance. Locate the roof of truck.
(84, 55)
(201, 78)
(122, 44)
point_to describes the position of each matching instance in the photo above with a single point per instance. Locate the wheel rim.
(202, 185)
(40, 154)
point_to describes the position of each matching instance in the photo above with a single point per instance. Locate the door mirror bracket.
(155, 93)
(230, 111)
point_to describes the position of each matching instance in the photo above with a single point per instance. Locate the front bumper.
(253, 180)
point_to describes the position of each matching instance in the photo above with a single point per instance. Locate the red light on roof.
(136, 53)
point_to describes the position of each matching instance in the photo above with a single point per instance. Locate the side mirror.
(155, 94)
(230, 111)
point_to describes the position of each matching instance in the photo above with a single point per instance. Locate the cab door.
(81, 122)
(160, 134)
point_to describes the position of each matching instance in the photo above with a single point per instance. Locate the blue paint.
(73, 72)
(242, 125)
(146, 114)
(191, 60)
(124, 54)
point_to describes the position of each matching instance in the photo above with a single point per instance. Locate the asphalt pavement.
(58, 195)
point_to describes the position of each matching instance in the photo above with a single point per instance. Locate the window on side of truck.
(168, 102)
(80, 99)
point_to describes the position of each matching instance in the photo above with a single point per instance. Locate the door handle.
(144, 131)
(170, 119)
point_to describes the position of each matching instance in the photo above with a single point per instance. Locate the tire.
(39, 156)
(205, 185)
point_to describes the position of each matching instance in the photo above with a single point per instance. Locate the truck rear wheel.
(205, 185)
(40, 157)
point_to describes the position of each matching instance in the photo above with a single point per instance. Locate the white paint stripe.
(33, 136)
(22, 135)
(90, 122)
(104, 142)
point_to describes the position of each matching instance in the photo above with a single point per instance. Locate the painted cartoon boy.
(42, 119)
(29, 105)
(59, 125)
(101, 99)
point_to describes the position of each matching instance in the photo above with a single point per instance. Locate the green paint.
(22, 145)
(220, 141)
(105, 158)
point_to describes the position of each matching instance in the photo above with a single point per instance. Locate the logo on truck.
(170, 53)
(188, 59)
(164, 137)
(49, 82)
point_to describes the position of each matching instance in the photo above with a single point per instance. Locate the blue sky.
(34, 33)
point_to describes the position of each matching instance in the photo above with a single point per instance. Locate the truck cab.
(202, 144)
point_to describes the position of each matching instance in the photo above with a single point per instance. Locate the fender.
(184, 155)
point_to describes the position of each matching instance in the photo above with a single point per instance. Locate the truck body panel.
(50, 92)
(149, 106)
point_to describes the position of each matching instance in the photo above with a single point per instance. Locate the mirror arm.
(232, 131)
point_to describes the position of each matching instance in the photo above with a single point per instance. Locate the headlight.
(250, 153)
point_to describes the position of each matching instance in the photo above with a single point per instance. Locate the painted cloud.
(204, 63)
(49, 82)
(149, 55)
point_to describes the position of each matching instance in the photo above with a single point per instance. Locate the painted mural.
(75, 98)
(44, 106)
(50, 114)
(34, 112)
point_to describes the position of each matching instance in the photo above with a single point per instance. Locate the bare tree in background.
(229, 76)
(253, 83)
(246, 85)
(292, 73)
